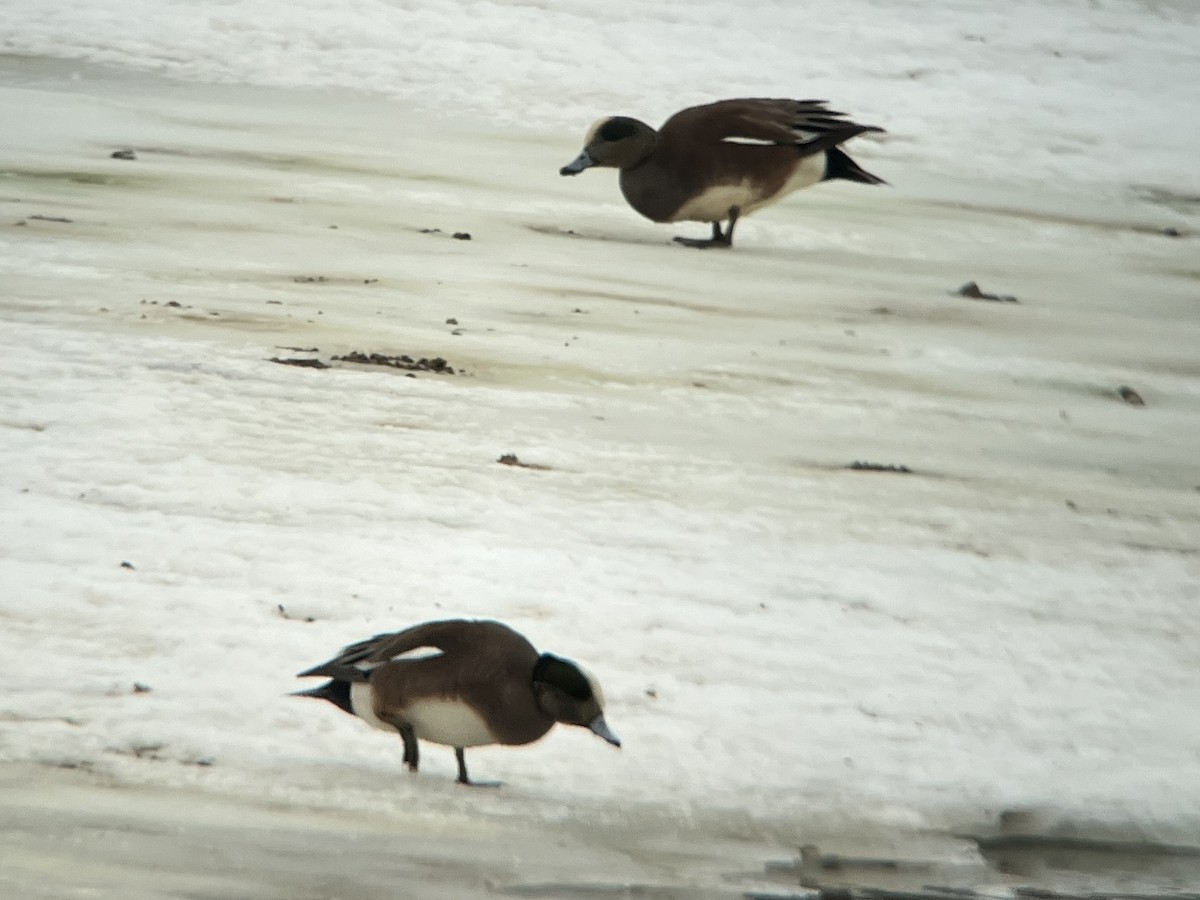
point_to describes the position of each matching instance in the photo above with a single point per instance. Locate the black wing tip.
(336, 671)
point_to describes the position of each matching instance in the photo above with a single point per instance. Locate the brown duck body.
(460, 683)
(486, 667)
(723, 160)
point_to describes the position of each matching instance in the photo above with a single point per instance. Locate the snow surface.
(1098, 90)
(790, 649)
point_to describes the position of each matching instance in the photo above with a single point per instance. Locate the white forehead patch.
(596, 126)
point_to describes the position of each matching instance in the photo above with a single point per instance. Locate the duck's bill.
(600, 727)
(582, 161)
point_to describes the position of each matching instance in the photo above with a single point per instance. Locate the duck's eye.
(617, 130)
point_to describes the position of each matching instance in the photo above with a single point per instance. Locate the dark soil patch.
(1130, 396)
(973, 291)
(63, 220)
(510, 459)
(409, 365)
(436, 365)
(861, 466)
(457, 235)
(299, 361)
(284, 614)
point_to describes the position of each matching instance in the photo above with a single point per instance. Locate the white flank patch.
(809, 172)
(714, 204)
(448, 722)
(438, 721)
(364, 708)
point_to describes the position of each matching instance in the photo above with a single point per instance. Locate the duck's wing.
(809, 125)
(356, 660)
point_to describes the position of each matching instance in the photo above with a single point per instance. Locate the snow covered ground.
(1029, 89)
(793, 651)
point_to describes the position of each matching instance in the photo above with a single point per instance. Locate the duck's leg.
(719, 238)
(411, 754)
(461, 756)
(463, 777)
(734, 212)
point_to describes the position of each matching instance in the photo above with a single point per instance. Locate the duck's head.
(569, 694)
(618, 142)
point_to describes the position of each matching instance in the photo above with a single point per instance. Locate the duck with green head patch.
(461, 683)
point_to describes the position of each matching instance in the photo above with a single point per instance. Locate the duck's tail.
(839, 165)
(336, 692)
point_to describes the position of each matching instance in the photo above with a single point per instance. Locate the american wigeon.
(723, 160)
(460, 683)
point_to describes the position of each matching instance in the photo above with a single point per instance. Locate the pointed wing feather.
(774, 121)
(445, 636)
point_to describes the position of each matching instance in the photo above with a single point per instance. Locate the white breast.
(448, 722)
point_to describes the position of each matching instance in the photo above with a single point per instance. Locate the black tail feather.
(839, 165)
(336, 692)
